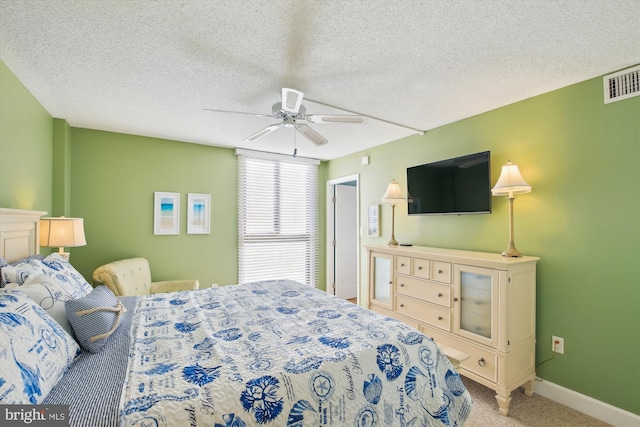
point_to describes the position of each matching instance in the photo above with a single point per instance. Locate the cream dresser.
(479, 307)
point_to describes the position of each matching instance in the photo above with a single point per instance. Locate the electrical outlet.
(557, 345)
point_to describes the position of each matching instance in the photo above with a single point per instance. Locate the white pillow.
(51, 295)
(34, 350)
(60, 268)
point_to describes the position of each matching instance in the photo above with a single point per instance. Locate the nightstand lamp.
(394, 196)
(509, 184)
(62, 232)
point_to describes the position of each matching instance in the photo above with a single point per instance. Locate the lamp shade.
(62, 232)
(510, 182)
(393, 194)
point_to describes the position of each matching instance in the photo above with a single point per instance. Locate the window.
(277, 218)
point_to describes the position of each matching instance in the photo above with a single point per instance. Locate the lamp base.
(511, 251)
(63, 254)
(393, 243)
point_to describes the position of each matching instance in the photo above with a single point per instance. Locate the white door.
(346, 240)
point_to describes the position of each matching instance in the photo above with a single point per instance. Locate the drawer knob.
(481, 362)
(439, 271)
(402, 264)
(439, 317)
(419, 267)
(455, 299)
(439, 295)
(402, 285)
(401, 305)
(390, 282)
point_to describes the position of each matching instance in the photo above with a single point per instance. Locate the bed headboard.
(19, 233)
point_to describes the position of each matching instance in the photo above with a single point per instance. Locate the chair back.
(125, 277)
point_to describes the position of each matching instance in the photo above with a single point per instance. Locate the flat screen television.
(461, 185)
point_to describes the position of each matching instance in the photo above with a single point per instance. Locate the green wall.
(26, 148)
(582, 219)
(61, 168)
(113, 180)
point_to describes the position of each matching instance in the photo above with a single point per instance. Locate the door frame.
(330, 222)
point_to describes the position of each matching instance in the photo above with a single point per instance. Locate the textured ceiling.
(151, 67)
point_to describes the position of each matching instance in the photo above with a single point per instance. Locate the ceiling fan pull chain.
(295, 144)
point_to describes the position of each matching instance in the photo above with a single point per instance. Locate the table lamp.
(394, 196)
(509, 184)
(62, 232)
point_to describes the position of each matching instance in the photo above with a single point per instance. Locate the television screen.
(460, 185)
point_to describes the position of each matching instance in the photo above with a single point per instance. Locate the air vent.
(622, 85)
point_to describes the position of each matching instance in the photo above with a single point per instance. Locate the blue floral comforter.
(279, 353)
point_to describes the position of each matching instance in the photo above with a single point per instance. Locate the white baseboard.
(587, 405)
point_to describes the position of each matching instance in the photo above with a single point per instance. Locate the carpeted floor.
(535, 411)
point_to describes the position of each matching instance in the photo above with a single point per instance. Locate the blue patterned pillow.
(19, 271)
(36, 351)
(64, 272)
(95, 317)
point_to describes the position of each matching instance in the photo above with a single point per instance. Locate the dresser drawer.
(403, 264)
(420, 268)
(423, 312)
(440, 271)
(427, 291)
(480, 361)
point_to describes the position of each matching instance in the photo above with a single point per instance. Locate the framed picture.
(198, 213)
(166, 213)
(373, 221)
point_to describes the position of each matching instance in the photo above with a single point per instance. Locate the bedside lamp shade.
(62, 232)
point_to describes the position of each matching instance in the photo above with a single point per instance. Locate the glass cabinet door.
(381, 279)
(475, 299)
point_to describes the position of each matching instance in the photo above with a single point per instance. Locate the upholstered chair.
(133, 277)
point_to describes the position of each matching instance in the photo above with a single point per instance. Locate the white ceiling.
(151, 67)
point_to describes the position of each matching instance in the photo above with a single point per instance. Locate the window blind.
(277, 218)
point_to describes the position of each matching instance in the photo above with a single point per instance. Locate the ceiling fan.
(293, 114)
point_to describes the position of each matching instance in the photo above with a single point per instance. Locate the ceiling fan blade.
(264, 132)
(311, 134)
(291, 100)
(239, 112)
(326, 118)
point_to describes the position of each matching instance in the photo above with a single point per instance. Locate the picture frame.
(373, 221)
(166, 213)
(198, 213)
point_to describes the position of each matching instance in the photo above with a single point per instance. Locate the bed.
(267, 353)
